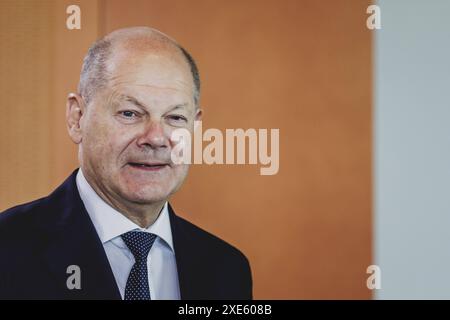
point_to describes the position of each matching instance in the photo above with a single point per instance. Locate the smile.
(148, 166)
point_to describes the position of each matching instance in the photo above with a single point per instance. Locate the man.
(108, 231)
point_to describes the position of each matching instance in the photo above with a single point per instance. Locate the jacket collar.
(69, 238)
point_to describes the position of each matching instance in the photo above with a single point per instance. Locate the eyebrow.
(141, 105)
(134, 101)
(178, 106)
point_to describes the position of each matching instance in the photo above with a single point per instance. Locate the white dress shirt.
(111, 224)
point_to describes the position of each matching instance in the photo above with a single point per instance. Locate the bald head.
(126, 45)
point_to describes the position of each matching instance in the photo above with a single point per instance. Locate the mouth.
(148, 166)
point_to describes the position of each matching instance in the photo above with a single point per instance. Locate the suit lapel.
(186, 258)
(71, 240)
(68, 237)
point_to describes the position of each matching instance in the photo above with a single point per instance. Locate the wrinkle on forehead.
(150, 95)
(132, 80)
(146, 58)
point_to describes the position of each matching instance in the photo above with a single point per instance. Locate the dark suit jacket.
(40, 239)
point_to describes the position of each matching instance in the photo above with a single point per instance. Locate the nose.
(153, 136)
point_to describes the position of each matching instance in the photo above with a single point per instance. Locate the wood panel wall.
(302, 66)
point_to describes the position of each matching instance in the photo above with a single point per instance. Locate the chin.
(147, 194)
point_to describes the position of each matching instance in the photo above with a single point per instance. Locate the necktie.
(139, 243)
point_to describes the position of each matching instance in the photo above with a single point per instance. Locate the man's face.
(126, 146)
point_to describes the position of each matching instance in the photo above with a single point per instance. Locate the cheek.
(178, 177)
(181, 137)
(105, 141)
(180, 172)
(99, 139)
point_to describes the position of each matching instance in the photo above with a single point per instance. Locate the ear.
(198, 114)
(74, 113)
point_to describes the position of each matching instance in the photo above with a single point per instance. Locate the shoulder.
(19, 229)
(211, 245)
(21, 216)
(18, 239)
(46, 211)
(218, 263)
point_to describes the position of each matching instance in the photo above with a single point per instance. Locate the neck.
(144, 215)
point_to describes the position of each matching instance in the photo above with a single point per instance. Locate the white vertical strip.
(412, 149)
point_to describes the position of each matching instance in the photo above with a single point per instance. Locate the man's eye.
(177, 118)
(128, 114)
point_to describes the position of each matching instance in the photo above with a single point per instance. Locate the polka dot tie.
(139, 243)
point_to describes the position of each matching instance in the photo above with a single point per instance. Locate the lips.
(148, 166)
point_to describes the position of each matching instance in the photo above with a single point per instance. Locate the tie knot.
(139, 243)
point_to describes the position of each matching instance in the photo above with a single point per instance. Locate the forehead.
(150, 76)
(153, 66)
(150, 98)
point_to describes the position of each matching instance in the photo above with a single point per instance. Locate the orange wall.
(301, 66)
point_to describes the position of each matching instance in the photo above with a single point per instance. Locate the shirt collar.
(110, 223)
